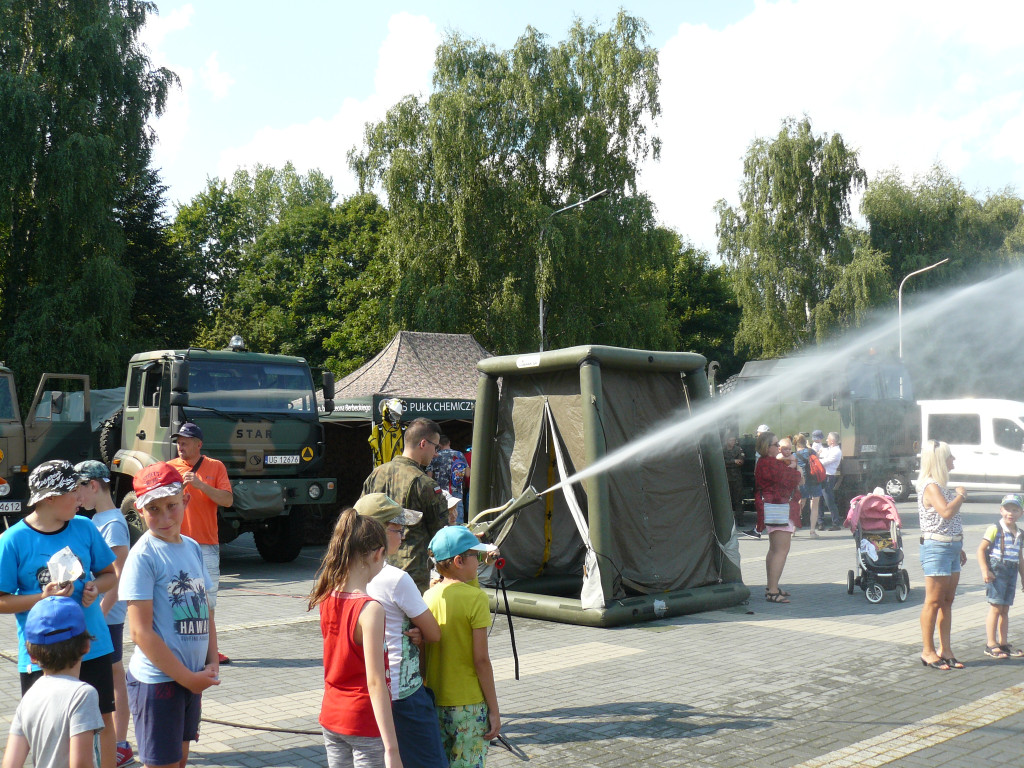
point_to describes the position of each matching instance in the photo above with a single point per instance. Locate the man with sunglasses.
(404, 480)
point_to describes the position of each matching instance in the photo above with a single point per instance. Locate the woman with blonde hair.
(942, 551)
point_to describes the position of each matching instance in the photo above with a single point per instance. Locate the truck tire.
(110, 436)
(283, 537)
(136, 523)
(897, 486)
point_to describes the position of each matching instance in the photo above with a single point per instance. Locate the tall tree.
(787, 233)
(76, 91)
(473, 173)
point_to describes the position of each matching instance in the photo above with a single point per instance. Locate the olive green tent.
(646, 539)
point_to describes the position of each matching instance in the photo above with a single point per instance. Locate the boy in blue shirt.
(175, 658)
(1000, 561)
(25, 579)
(58, 716)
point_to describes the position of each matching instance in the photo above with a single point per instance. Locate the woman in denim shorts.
(942, 551)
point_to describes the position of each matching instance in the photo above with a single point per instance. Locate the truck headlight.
(315, 491)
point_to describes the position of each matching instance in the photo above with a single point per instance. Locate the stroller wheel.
(874, 593)
(902, 591)
(849, 582)
(905, 575)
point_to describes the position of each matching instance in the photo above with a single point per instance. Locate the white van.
(986, 437)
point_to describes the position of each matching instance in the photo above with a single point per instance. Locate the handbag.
(776, 514)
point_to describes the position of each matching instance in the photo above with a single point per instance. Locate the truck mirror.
(179, 377)
(329, 386)
(179, 398)
(56, 403)
(328, 406)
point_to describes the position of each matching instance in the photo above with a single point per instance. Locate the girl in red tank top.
(356, 710)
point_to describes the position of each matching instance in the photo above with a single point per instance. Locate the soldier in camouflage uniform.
(734, 458)
(404, 480)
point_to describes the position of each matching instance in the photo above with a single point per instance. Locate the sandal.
(953, 663)
(938, 664)
(1013, 653)
(775, 597)
(996, 652)
(782, 592)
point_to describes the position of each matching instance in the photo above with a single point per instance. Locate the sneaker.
(125, 756)
(752, 534)
(221, 658)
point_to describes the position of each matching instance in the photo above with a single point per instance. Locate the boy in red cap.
(165, 583)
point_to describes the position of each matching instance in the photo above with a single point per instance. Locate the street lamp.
(899, 300)
(540, 263)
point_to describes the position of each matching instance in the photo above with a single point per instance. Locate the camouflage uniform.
(405, 481)
(735, 475)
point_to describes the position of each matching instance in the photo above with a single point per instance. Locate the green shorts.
(462, 733)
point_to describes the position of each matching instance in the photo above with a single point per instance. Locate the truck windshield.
(251, 387)
(878, 382)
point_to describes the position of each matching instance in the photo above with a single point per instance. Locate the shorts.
(462, 733)
(165, 715)
(940, 558)
(416, 727)
(354, 751)
(810, 491)
(1004, 584)
(96, 672)
(211, 559)
(117, 638)
(789, 528)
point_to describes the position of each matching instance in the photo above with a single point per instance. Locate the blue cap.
(1012, 498)
(54, 619)
(188, 429)
(454, 540)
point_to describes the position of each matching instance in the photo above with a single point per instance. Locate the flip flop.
(775, 597)
(953, 663)
(1013, 653)
(996, 652)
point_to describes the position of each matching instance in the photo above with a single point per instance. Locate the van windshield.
(251, 387)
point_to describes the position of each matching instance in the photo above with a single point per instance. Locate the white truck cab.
(986, 437)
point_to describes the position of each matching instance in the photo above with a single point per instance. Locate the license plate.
(281, 459)
(12, 506)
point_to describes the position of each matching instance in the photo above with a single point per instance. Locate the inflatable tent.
(644, 540)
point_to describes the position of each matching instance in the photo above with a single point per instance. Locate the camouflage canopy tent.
(434, 373)
(638, 542)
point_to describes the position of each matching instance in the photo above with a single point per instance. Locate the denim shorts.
(940, 558)
(1001, 589)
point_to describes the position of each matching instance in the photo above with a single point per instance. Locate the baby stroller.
(875, 523)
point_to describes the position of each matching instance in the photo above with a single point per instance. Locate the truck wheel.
(897, 486)
(136, 524)
(110, 436)
(283, 537)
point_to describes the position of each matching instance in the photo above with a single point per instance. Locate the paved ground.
(829, 680)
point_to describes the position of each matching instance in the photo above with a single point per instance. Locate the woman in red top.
(776, 478)
(356, 711)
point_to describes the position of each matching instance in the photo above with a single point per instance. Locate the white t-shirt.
(397, 592)
(53, 710)
(114, 530)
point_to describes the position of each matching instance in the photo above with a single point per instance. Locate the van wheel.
(896, 485)
(136, 524)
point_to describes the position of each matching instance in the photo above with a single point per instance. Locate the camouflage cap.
(384, 509)
(93, 470)
(52, 478)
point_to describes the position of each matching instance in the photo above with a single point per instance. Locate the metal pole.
(540, 263)
(899, 301)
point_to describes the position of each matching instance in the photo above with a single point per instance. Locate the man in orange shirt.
(206, 488)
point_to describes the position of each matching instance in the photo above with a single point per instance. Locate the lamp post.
(540, 262)
(899, 310)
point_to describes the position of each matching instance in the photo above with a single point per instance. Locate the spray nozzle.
(481, 525)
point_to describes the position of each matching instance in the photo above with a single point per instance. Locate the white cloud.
(907, 84)
(404, 65)
(214, 78)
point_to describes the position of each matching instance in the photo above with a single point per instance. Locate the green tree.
(702, 307)
(473, 173)
(786, 238)
(76, 91)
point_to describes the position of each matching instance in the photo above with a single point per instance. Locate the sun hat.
(763, 428)
(451, 500)
(1012, 498)
(453, 540)
(817, 435)
(92, 470)
(384, 510)
(155, 482)
(52, 478)
(188, 429)
(54, 619)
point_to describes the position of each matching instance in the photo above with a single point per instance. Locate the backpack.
(815, 468)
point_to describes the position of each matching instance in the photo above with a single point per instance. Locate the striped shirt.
(1009, 552)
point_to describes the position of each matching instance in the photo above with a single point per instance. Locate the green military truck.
(57, 426)
(259, 416)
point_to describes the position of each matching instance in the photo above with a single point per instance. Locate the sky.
(907, 84)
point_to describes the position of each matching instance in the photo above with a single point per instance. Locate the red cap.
(156, 481)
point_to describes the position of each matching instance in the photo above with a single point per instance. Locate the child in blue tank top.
(1000, 561)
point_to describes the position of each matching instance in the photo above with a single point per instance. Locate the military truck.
(869, 401)
(259, 416)
(58, 426)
